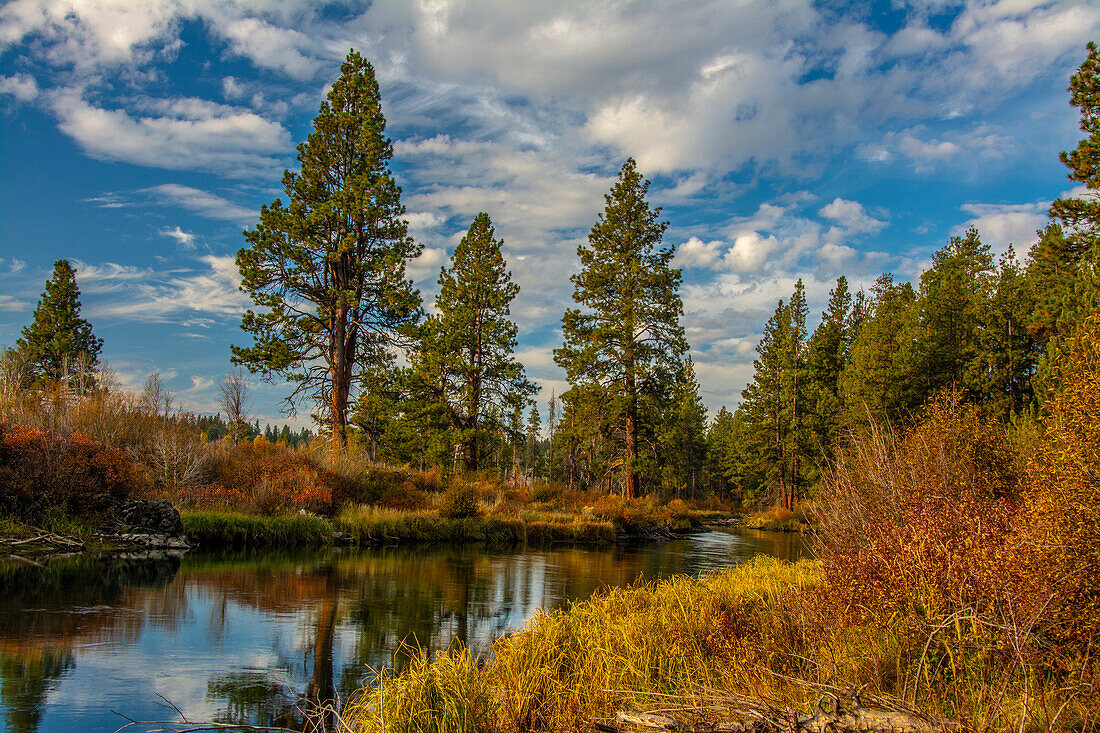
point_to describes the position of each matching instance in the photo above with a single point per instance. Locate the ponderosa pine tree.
(826, 356)
(774, 403)
(1009, 352)
(627, 336)
(764, 404)
(879, 379)
(466, 354)
(951, 307)
(327, 270)
(534, 427)
(1080, 215)
(685, 434)
(57, 338)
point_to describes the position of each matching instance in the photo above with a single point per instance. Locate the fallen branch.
(838, 711)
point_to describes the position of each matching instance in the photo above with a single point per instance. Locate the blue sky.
(784, 139)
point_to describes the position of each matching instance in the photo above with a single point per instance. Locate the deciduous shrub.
(262, 477)
(460, 501)
(1061, 527)
(922, 520)
(42, 472)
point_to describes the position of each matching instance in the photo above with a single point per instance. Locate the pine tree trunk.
(630, 487)
(341, 382)
(469, 451)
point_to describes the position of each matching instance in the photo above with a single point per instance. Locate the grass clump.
(236, 530)
(448, 695)
(368, 525)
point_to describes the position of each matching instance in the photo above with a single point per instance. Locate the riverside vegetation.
(942, 437)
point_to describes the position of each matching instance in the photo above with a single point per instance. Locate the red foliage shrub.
(266, 478)
(42, 471)
(923, 521)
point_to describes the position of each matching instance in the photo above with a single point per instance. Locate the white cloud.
(186, 240)
(21, 86)
(851, 218)
(201, 202)
(925, 152)
(169, 297)
(1003, 224)
(188, 134)
(12, 304)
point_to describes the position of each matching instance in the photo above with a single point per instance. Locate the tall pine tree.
(827, 354)
(626, 337)
(57, 338)
(466, 353)
(327, 270)
(1080, 215)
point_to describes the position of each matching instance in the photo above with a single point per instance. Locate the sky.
(784, 140)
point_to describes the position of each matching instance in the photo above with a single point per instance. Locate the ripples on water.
(242, 638)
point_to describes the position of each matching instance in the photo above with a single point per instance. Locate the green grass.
(215, 530)
(373, 526)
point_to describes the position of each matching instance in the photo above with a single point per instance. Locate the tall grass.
(214, 530)
(615, 650)
(367, 525)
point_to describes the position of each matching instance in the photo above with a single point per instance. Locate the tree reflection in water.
(261, 638)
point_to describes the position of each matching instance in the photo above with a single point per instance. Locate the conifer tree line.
(336, 315)
(446, 389)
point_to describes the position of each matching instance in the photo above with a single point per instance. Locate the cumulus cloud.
(1003, 224)
(851, 219)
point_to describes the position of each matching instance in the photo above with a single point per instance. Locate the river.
(242, 638)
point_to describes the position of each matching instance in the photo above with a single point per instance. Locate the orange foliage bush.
(43, 471)
(1061, 528)
(266, 478)
(922, 522)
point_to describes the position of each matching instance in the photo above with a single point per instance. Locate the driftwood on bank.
(715, 712)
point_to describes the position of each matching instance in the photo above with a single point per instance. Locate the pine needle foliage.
(467, 350)
(626, 337)
(57, 336)
(326, 270)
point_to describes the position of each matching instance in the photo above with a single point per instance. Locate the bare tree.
(234, 401)
(156, 396)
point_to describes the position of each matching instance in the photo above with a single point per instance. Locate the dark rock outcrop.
(144, 516)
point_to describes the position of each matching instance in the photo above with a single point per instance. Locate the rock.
(146, 517)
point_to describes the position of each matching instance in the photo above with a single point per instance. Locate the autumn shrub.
(628, 515)
(460, 500)
(265, 478)
(393, 487)
(921, 520)
(44, 472)
(1062, 489)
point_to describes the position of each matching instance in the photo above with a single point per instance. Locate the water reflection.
(256, 638)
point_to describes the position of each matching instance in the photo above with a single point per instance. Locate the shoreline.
(216, 531)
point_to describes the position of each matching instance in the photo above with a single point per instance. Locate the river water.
(242, 638)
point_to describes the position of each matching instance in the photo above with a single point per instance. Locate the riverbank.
(365, 526)
(753, 647)
(655, 645)
(358, 526)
